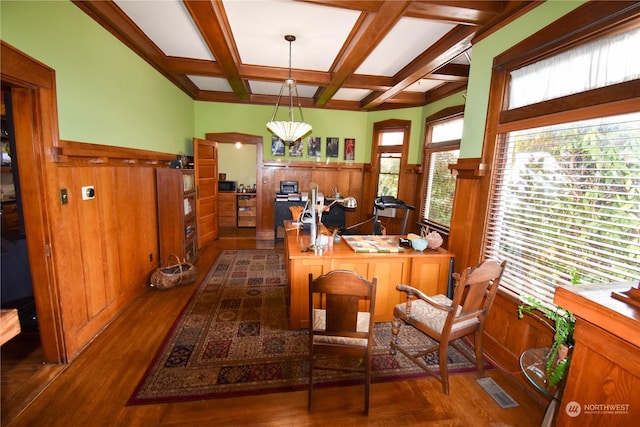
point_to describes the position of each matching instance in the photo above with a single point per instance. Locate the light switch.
(64, 198)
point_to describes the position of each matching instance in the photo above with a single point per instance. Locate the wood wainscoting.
(105, 247)
(506, 337)
(88, 258)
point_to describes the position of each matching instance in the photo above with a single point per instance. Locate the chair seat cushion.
(434, 318)
(320, 324)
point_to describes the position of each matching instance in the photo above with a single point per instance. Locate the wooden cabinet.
(10, 218)
(177, 214)
(428, 271)
(227, 210)
(246, 210)
(604, 376)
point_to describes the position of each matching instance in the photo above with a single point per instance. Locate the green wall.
(482, 61)
(252, 119)
(106, 93)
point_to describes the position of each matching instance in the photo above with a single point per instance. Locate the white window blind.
(565, 205)
(441, 185)
(441, 150)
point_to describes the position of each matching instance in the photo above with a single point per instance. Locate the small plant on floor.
(558, 357)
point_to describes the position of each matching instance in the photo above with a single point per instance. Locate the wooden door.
(205, 155)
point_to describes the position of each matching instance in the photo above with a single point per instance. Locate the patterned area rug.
(233, 339)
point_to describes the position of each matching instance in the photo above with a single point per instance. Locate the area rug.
(233, 339)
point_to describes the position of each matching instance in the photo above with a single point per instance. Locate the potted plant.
(559, 355)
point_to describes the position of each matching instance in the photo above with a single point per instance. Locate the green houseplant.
(562, 323)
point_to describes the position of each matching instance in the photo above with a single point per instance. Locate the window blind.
(565, 205)
(441, 185)
(441, 149)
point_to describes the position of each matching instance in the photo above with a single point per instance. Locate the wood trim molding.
(14, 68)
(469, 168)
(313, 165)
(74, 152)
(592, 18)
(517, 10)
(36, 128)
(444, 114)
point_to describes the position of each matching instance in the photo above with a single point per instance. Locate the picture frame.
(296, 149)
(349, 149)
(314, 147)
(277, 146)
(333, 146)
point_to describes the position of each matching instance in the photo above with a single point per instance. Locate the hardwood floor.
(94, 389)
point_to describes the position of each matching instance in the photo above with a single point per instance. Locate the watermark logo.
(573, 409)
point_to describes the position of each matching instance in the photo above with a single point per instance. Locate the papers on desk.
(371, 244)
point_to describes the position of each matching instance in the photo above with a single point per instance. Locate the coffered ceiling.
(349, 54)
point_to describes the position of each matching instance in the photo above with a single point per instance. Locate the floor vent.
(497, 393)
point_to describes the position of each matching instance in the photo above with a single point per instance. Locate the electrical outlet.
(88, 192)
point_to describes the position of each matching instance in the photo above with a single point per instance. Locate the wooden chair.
(341, 310)
(445, 320)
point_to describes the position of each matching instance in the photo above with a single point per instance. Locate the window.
(565, 198)
(390, 151)
(442, 145)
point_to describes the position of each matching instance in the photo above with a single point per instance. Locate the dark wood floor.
(94, 389)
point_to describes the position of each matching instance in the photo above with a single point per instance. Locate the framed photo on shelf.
(333, 146)
(277, 146)
(296, 149)
(349, 149)
(314, 147)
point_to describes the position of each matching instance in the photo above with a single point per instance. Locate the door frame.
(35, 118)
(244, 138)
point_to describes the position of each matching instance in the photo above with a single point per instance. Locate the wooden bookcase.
(177, 214)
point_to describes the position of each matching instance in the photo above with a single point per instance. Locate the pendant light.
(289, 131)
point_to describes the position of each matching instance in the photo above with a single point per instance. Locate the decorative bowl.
(419, 244)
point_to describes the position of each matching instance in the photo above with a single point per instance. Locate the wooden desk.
(428, 271)
(604, 376)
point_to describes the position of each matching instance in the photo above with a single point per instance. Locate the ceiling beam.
(444, 50)
(369, 31)
(451, 73)
(456, 12)
(361, 5)
(211, 20)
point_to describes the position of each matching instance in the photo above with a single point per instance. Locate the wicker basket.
(174, 274)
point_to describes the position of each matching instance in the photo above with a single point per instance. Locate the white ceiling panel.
(404, 43)
(216, 84)
(168, 24)
(351, 94)
(259, 28)
(423, 85)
